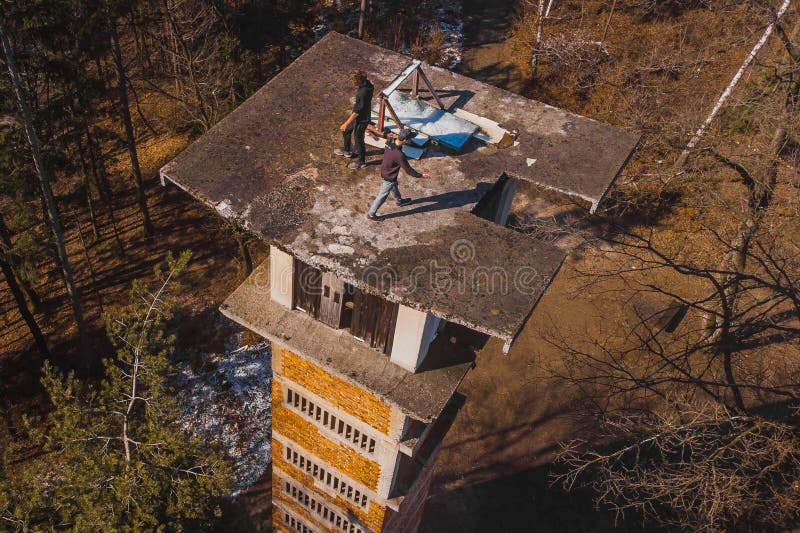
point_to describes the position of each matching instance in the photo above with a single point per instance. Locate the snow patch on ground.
(228, 400)
(452, 24)
(445, 15)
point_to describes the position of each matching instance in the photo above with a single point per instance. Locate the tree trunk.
(101, 181)
(44, 182)
(361, 19)
(87, 186)
(18, 292)
(22, 305)
(537, 44)
(549, 7)
(129, 133)
(188, 57)
(760, 187)
(30, 293)
(89, 263)
(608, 23)
(684, 155)
(244, 251)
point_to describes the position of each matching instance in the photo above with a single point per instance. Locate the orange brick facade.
(351, 399)
(339, 455)
(319, 445)
(315, 445)
(373, 515)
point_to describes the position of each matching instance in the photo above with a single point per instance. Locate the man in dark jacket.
(356, 124)
(393, 160)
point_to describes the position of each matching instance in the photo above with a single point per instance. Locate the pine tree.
(124, 108)
(47, 194)
(116, 458)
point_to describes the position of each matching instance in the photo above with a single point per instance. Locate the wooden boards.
(323, 296)
(374, 320)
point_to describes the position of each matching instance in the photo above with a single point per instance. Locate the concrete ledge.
(422, 396)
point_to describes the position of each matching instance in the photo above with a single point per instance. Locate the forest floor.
(487, 55)
(660, 76)
(104, 277)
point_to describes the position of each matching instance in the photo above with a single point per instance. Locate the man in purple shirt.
(393, 160)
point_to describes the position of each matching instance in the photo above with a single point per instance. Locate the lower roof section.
(422, 396)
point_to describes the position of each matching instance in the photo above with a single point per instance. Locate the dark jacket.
(363, 104)
(393, 160)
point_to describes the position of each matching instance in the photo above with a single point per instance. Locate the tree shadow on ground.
(249, 511)
(525, 501)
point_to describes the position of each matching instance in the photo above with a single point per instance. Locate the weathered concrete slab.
(422, 395)
(269, 165)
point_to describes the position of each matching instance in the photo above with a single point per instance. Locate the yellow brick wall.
(373, 515)
(277, 523)
(289, 503)
(339, 455)
(352, 399)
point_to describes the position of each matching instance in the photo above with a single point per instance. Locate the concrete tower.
(374, 324)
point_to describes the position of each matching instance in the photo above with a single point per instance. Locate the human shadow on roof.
(446, 200)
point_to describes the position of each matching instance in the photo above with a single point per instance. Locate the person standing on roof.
(393, 160)
(356, 124)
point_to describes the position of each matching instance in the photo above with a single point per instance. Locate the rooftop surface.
(422, 395)
(270, 166)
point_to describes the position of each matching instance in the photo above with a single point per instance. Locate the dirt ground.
(495, 471)
(487, 54)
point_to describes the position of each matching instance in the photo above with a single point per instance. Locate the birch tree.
(537, 43)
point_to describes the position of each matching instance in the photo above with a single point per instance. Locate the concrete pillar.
(413, 334)
(281, 274)
(506, 199)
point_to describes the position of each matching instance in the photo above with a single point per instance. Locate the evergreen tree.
(44, 181)
(116, 458)
(124, 108)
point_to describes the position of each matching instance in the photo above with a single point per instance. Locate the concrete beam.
(414, 332)
(281, 276)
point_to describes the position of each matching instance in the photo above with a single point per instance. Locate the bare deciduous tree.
(698, 386)
(703, 469)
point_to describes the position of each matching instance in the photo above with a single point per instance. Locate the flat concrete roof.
(270, 166)
(421, 395)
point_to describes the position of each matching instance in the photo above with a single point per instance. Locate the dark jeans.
(357, 130)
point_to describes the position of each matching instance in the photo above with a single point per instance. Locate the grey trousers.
(383, 194)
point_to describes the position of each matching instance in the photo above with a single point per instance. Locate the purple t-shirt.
(393, 160)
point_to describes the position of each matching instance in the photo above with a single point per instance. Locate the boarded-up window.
(374, 320)
(330, 307)
(307, 287)
(329, 300)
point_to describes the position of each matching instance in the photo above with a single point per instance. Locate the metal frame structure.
(414, 68)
